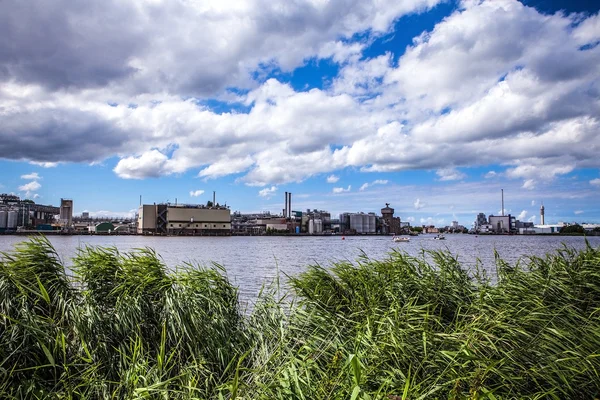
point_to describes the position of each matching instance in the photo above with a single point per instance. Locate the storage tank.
(356, 223)
(311, 227)
(11, 220)
(372, 223)
(3, 219)
(318, 226)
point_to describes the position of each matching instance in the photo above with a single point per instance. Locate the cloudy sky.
(430, 105)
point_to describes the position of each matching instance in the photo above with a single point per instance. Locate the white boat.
(440, 237)
(400, 239)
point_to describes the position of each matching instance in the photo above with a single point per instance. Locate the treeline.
(398, 328)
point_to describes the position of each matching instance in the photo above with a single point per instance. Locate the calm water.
(252, 261)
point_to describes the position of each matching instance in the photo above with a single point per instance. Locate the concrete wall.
(146, 218)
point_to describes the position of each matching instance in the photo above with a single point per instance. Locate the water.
(252, 261)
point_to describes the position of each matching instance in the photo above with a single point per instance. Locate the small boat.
(400, 239)
(440, 237)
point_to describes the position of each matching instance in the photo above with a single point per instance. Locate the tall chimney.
(502, 202)
(286, 205)
(214, 198)
(290, 207)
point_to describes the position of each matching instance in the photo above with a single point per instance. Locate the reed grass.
(399, 328)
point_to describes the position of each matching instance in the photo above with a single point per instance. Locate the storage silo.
(356, 223)
(11, 220)
(318, 226)
(311, 227)
(372, 223)
(3, 219)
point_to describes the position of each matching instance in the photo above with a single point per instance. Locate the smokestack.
(285, 209)
(502, 202)
(140, 199)
(290, 207)
(214, 198)
(542, 214)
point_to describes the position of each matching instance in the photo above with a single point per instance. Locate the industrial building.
(358, 223)
(389, 223)
(16, 213)
(183, 219)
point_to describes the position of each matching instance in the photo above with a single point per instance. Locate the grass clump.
(399, 328)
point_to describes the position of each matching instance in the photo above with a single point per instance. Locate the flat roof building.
(183, 219)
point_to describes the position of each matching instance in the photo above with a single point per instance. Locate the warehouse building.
(183, 219)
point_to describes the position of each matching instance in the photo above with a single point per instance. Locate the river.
(252, 261)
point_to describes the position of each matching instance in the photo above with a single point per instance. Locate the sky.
(432, 106)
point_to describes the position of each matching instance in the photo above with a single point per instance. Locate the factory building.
(66, 212)
(359, 223)
(16, 213)
(183, 219)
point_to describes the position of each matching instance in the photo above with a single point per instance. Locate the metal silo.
(11, 220)
(318, 226)
(372, 223)
(3, 219)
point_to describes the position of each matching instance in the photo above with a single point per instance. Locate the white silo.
(11, 220)
(3, 219)
(311, 227)
(318, 226)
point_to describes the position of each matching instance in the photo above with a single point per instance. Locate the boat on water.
(440, 237)
(400, 239)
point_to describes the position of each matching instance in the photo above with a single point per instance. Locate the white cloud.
(595, 182)
(490, 174)
(533, 202)
(341, 189)
(36, 196)
(522, 215)
(44, 164)
(196, 193)
(31, 176)
(409, 219)
(418, 204)
(113, 214)
(149, 164)
(529, 184)
(375, 182)
(30, 187)
(577, 212)
(268, 192)
(332, 179)
(531, 219)
(450, 174)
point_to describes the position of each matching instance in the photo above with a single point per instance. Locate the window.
(214, 226)
(180, 225)
(223, 226)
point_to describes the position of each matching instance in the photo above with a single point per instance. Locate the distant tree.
(209, 203)
(418, 229)
(576, 228)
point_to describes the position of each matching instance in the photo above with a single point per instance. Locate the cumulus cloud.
(30, 187)
(595, 182)
(531, 219)
(196, 193)
(375, 182)
(268, 192)
(418, 204)
(44, 164)
(522, 215)
(450, 174)
(529, 184)
(332, 178)
(533, 202)
(149, 164)
(490, 174)
(494, 82)
(31, 176)
(341, 189)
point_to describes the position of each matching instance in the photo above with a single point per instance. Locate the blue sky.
(433, 106)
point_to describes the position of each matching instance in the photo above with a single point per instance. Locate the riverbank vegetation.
(398, 328)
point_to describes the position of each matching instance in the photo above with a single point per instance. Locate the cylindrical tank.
(311, 226)
(356, 222)
(318, 226)
(3, 219)
(11, 220)
(372, 223)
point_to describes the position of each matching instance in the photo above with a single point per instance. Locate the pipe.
(502, 202)
(214, 199)
(285, 206)
(290, 208)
